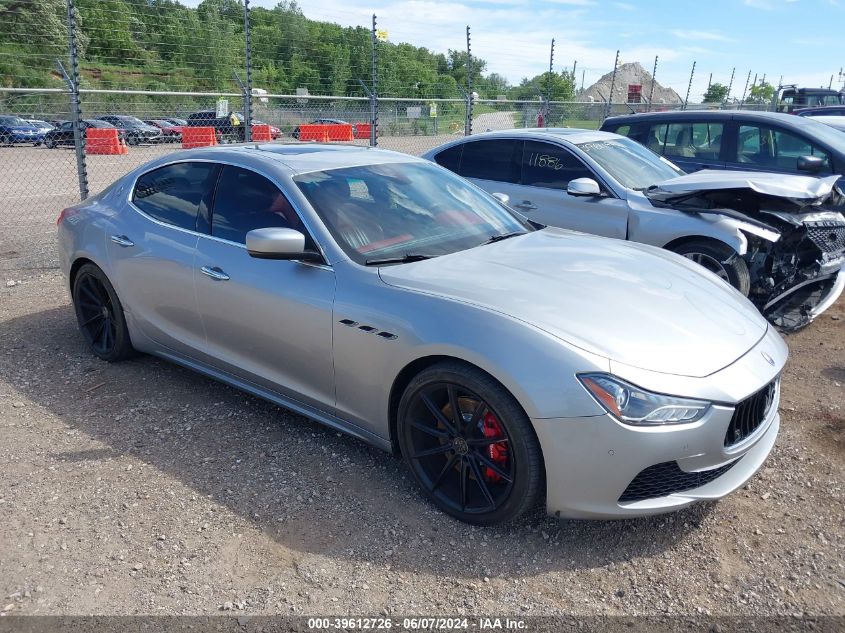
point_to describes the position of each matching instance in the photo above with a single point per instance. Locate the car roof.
(294, 158)
(571, 134)
(701, 115)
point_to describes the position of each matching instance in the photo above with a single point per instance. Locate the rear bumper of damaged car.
(801, 304)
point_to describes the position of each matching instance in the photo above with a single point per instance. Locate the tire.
(50, 143)
(720, 259)
(133, 140)
(455, 466)
(5, 139)
(100, 316)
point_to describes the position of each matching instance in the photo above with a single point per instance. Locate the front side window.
(174, 194)
(496, 160)
(397, 209)
(774, 148)
(550, 166)
(245, 201)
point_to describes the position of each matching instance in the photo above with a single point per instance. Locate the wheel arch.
(78, 263)
(740, 244)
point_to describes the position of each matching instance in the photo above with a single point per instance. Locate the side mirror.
(502, 197)
(583, 187)
(278, 243)
(812, 164)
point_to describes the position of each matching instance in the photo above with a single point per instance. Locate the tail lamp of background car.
(638, 407)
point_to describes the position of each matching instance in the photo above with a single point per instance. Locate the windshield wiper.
(404, 259)
(498, 238)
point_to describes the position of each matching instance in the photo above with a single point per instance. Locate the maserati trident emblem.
(768, 358)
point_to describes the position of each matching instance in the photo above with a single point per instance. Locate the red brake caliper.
(498, 452)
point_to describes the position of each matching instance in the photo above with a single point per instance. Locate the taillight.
(65, 214)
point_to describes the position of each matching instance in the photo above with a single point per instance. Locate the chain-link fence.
(158, 72)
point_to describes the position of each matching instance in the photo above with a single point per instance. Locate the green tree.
(716, 93)
(763, 92)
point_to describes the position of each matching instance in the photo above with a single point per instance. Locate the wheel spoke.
(482, 483)
(95, 337)
(91, 320)
(455, 406)
(420, 426)
(450, 464)
(84, 287)
(89, 305)
(481, 442)
(438, 414)
(437, 450)
(492, 466)
(476, 416)
(463, 475)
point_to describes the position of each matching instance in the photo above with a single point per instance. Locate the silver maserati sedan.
(386, 297)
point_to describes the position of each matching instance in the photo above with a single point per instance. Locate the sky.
(798, 39)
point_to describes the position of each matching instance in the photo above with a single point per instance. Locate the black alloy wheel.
(469, 445)
(100, 315)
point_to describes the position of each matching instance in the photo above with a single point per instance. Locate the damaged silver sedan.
(779, 239)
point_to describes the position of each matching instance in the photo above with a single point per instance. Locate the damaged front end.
(796, 245)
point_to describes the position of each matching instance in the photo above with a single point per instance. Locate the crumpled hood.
(628, 302)
(793, 187)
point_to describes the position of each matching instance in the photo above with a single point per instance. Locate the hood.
(793, 187)
(631, 303)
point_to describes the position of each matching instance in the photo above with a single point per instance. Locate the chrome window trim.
(275, 182)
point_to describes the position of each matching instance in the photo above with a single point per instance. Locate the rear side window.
(174, 194)
(450, 158)
(655, 137)
(623, 130)
(550, 166)
(693, 140)
(492, 160)
(245, 201)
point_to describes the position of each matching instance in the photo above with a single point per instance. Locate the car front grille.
(667, 478)
(828, 236)
(750, 413)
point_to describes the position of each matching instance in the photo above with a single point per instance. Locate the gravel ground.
(141, 488)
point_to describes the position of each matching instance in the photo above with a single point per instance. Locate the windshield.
(404, 209)
(818, 131)
(631, 164)
(12, 120)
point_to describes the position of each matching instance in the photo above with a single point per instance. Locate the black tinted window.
(491, 160)
(550, 166)
(246, 201)
(173, 194)
(450, 158)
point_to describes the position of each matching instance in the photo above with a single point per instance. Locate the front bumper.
(591, 461)
(803, 303)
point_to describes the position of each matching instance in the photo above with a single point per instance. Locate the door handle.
(215, 273)
(122, 240)
(526, 205)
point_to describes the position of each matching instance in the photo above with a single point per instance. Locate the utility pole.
(653, 75)
(689, 86)
(612, 85)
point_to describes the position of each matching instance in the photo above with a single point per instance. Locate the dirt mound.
(632, 73)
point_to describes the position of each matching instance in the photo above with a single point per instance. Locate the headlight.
(632, 405)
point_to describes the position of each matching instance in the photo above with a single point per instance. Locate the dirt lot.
(142, 488)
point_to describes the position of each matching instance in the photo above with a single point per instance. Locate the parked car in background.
(275, 133)
(768, 235)
(821, 111)
(15, 130)
(176, 121)
(170, 132)
(791, 98)
(62, 134)
(738, 140)
(507, 365)
(135, 130)
(295, 133)
(227, 128)
(42, 126)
